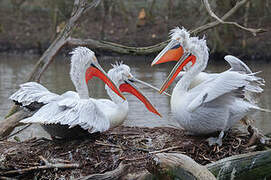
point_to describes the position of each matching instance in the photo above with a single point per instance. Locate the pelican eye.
(176, 46)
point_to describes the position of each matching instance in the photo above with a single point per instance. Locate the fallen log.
(177, 166)
(254, 165)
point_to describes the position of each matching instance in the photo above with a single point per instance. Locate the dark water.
(15, 69)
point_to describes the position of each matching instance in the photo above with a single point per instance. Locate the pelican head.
(187, 51)
(122, 77)
(84, 65)
(175, 48)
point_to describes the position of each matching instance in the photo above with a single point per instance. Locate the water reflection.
(15, 69)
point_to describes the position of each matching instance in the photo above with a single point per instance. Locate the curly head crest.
(179, 33)
(117, 64)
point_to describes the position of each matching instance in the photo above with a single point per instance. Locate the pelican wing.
(72, 111)
(33, 92)
(227, 82)
(237, 65)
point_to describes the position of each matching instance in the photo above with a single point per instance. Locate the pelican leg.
(216, 140)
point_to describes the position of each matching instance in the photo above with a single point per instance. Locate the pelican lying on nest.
(217, 103)
(71, 113)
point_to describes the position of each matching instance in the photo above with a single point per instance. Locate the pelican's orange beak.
(96, 70)
(172, 52)
(131, 88)
(186, 58)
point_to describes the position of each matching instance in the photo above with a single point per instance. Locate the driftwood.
(254, 165)
(177, 166)
(12, 121)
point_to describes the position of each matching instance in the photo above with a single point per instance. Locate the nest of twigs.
(100, 153)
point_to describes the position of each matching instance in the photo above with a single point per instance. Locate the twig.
(44, 160)
(209, 10)
(7, 178)
(135, 159)
(47, 165)
(140, 149)
(104, 144)
(124, 133)
(165, 150)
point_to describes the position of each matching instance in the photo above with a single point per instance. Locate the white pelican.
(214, 105)
(77, 110)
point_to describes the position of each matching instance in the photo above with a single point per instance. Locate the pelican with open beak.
(75, 113)
(214, 105)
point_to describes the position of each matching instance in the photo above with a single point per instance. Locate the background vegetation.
(29, 25)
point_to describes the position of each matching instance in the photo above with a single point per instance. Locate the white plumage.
(72, 108)
(236, 65)
(215, 102)
(77, 108)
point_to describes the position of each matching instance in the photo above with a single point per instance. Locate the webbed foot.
(216, 140)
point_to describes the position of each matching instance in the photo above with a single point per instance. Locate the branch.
(165, 150)
(118, 48)
(17, 132)
(7, 125)
(94, 4)
(209, 10)
(39, 168)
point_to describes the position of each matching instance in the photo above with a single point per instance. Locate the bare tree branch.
(209, 10)
(94, 4)
(79, 7)
(118, 48)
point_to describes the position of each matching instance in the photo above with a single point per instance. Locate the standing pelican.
(77, 109)
(214, 105)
